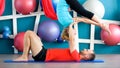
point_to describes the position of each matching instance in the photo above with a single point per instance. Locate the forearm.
(75, 5)
(99, 21)
(71, 43)
(96, 19)
(85, 20)
(96, 22)
(71, 39)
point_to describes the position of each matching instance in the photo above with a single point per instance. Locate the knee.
(30, 33)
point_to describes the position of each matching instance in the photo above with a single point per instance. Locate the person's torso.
(64, 17)
(58, 55)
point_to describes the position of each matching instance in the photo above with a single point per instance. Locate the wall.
(112, 13)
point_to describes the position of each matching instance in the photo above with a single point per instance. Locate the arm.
(75, 5)
(73, 48)
(72, 34)
(85, 20)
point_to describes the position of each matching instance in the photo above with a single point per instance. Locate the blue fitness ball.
(6, 29)
(6, 34)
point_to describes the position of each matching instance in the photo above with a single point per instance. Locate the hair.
(65, 34)
(91, 57)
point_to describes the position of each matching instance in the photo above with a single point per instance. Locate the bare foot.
(21, 58)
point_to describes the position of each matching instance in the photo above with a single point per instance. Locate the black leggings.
(76, 6)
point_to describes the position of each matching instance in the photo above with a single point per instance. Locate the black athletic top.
(76, 6)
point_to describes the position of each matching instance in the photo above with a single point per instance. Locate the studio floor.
(110, 61)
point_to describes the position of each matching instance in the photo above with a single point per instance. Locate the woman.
(66, 19)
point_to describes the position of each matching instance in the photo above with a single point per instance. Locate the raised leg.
(31, 42)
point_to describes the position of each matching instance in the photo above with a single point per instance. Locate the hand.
(78, 19)
(75, 19)
(72, 31)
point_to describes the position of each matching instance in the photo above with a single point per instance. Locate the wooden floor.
(110, 61)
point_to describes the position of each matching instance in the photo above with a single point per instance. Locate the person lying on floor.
(40, 53)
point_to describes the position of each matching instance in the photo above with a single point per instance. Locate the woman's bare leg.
(31, 42)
